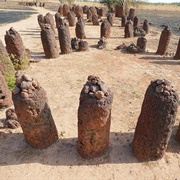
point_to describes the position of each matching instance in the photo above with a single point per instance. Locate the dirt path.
(127, 75)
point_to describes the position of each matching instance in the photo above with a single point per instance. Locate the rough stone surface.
(66, 9)
(34, 114)
(95, 20)
(89, 16)
(102, 11)
(164, 41)
(110, 18)
(132, 48)
(136, 22)
(102, 43)
(60, 10)
(50, 47)
(146, 26)
(93, 10)
(64, 38)
(178, 134)
(141, 42)
(41, 22)
(48, 19)
(128, 30)
(80, 33)
(5, 94)
(177, 55)
(94, 118)
(138, 32)
(132, 14)
(119, 10)
(83, 46)
(75, 43)
(71, 18)
(105, 29)
(85, 9)
(78, 10)
(123, 20)
(156, 121)
(58, 19)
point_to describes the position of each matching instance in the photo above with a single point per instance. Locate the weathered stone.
(94, 119)
(110, 18)
(85, 9)
(78, 10)
(138, 32)
(177, 55)
(146, 26)
(136, 22)
(50, 47)
(119, 10)
(155, 123)
(71, 18)
(141, 42)
(41, 22)
(83, 45)
(64, 38)
(80, 33)
(75, 43)
(102, 11)
(35, 117)
(164, 41)
(105, 29)
(95, 20)
(48, 19)
(58, 19)
(5, 94)
(128, 30)
(178, 134)
(60, 10)
(66, 9)
(123, 20)
(101, 43)
(93, 10)
(132, 14)
(132, 48)
(89, 16)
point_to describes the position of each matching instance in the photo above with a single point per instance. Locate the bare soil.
(127, 75)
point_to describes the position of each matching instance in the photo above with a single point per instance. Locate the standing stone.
(66, 9)
(95, 20)
(123, 20)
(177, 55)
(33, 112)
(89, 16)
(75, 43)
(156, 121)
(5, 94)
(119, 10)
(40, 19)
(71, 18)
(178, 134)
(146, 26)
(110, 18)
(49, 42)
(94, 118)
(136, 22)
(128, 30)
(64, 38)
(83, 45)
(80, 33)
(78, 10)
(102, 12)
(60, 10)
(141, 42)
(48, 19)
(105, 29)
(164, 41)
(102, 43)
(93, 10)
(85, 9)
(132, 14)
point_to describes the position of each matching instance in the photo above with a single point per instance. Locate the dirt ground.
(127, 75)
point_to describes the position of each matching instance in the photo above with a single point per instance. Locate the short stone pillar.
(80, 33)
(83, 45)
(94, 118)
(178, 134)
(177, 55)
(102, 12)
(64, 38)
(146, 26)
(141, 42)
(5, 94)
(136, 22)
(50, 47)
(132, 14)
(75, 43)
(40, 19)
(89, 16)
(110, 18)
(78, 10)
(164, 41)
(128, 30)
(105, 29)
(101, 43)
(33, 112)
(123, 20)
(138, 32)
(156, 121)
(71, 18)
(95, 20)
(93, 10)
(85, 9)
(66, 9)
(48, 19)
(119, 10)
(58, 19)
(60, 10)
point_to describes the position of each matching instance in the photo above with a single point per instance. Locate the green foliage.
(10, 80)
(109, 3)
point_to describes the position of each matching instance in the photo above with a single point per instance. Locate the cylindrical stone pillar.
(71, 18)
(123, 20)
(102, 12)
(33, 112)
(58, 19)
(40, 19)
(66, 9)
(119, 10)
(60, 10)
(49, 42)
(136, 22)
(95, 20)
(178, 134)
(80, 33)
(93, 10)
(146, 26)
(64, 38)
(128, 30)
(105, 29)
(110, 18)
(164, 41)
(48, 18)
(85, 9)
(89, 16)
(177, 55)
(141, 42)
(78, 10)
(132, 14)
(94, 118)
(156, 121)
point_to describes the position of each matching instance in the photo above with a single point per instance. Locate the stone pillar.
(66, 9)
(80, 33)
(85, 9)
(40, 19)
(177, 55)
(33, 112)
(128, 30)
(95, 20)
(123, 20)
(94, 118)
(78, 10)
(101, 43)
(141, 42)
(48, 19)
(119, 10)
(89, 16)
(64, 38)
(60, 10)
(75, 43)
(93, 10)
(156, 121)
(71, 18)
(105, 29)
(178, 134)
(132, 14)
(49, 42)
(102, 12)
(58, 19)
(146, 26)
(83, 46)
(5, 94)
(136, 22)
(164, 41)
(110, 18)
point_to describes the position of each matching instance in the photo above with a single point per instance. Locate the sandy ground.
(127, 75)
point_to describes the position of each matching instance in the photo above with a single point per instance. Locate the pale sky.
(164, 1)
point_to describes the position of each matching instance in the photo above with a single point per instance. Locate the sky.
(163, 1)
